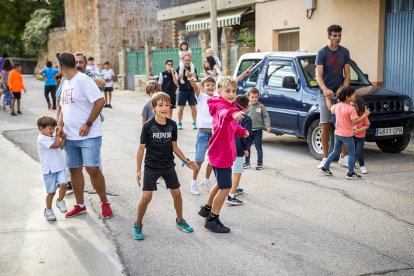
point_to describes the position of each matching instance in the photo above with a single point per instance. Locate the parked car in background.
(288, 89)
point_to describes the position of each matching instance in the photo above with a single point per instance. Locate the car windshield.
(308, 65)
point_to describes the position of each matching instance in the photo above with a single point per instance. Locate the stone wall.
(99, 28)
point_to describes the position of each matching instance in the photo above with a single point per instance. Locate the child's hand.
(192, 165)
(138, 178)
(269, 129)
(188, 74)
(238, 116)
(246, 153)
(367, 112)
(248, 70)
(25, 91)
(246, 135)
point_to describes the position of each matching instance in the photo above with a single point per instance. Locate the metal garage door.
(399, 47)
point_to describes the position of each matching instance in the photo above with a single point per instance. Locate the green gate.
(136, 63)
(160, 56)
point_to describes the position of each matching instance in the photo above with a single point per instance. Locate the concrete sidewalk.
(33, 246)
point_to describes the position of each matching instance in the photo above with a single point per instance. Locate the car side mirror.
(289, 82)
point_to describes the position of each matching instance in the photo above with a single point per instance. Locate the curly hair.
(334, 29)
(226, 81)
(152, 87)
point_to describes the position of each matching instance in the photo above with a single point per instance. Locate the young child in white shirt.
(184, 50)
(52, 163)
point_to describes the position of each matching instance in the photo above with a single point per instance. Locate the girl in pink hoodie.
(222, 150)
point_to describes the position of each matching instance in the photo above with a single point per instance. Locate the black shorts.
(173, 96)
(50, 88)
(108, 89)
(185, 96)
(17, 95)
(223, 176)
(151, 176)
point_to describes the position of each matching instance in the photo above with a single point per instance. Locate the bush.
(35, 34)
(246, 39)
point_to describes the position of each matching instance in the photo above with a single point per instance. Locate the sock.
(212, 217)
(231, 195)
(81, 205)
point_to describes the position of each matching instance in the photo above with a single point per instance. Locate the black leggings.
(51, 89)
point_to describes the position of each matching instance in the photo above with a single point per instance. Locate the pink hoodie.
(222, 146)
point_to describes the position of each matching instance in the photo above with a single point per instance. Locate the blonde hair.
(45, 121)
(160, 96)
(226, 81)
(151, 87)
(208, 79)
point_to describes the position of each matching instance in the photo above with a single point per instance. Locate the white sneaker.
(322, 163)
(61, 205)
(49, 215)
(207, 184)
(194, 188)
(343, 161)
(363, 170)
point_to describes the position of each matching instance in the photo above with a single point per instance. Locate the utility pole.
(213, 25)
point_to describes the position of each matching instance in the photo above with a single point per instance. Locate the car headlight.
(408, 105)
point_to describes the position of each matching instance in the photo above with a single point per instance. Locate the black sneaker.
(325, 171)
(234, 201)
(259, 166)
(216, 226)
(204, 212)
(19, 112)
(353, 176)
(246, 165)
(69, 186)
(239, 191)
(106, 105)
(13, 113)
(109, 105)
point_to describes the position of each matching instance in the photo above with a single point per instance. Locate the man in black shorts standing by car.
(332, 72)
(167, 80)
(186, 93)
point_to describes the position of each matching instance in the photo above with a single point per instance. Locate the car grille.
(386, 106)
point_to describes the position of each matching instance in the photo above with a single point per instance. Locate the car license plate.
(389, 131)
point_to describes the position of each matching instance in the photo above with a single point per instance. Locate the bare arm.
(140, 156)
(319, 79)
(244, 74)
(193, 83)
(97, 108)
(347, 73)
(361, 129)
(56, 144)
(177, 151)
(360, 119)
(175, 80)
(143, 120)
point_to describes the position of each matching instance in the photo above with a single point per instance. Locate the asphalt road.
(295, 221)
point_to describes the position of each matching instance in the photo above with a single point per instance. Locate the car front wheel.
(394, 145)
(314, 139)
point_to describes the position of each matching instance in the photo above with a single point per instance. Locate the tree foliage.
(36, 32)
(14, 14)
(245, 38)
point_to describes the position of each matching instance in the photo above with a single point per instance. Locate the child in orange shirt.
(15, 83)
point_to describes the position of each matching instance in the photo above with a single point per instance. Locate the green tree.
(14, 14)
(36, 32)
(246, 39)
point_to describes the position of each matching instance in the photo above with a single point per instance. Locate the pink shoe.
(106, 210)
(76, 210)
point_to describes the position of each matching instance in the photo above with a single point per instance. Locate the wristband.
(185, 162)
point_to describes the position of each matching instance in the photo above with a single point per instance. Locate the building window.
(394, 6)
(192, 41)
(287, 40)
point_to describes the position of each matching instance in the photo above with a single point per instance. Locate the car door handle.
(266, 94)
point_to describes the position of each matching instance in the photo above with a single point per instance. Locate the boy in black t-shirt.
(159, 138)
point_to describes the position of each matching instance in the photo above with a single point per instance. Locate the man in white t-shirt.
(81, 102)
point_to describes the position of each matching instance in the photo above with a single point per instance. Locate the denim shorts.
(203, 137)
(83, 153)
(223, 176)
(238, 165)
(53, 180)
